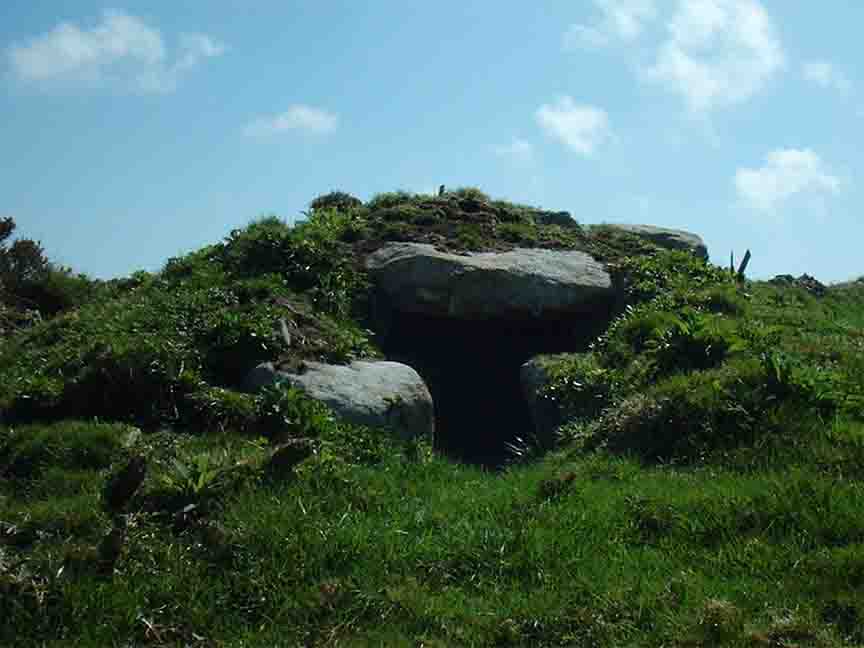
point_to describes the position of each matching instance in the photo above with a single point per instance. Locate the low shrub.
(580, 386)
(337, 200)
(57, 290)
(669, 271)
(286, 412)
(692, 341)
(725, 299)
(139, 355)
(263, 247)
(689, 417)
(470, 193)
(219, 409)
(21, 263)
(519, 232)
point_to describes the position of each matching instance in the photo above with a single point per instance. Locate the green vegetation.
(706, 489)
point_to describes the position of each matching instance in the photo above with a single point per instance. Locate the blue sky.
(138, 131)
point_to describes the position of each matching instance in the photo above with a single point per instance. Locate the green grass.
(580, 551)
(706, 489)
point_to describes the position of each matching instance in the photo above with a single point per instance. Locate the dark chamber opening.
(472, 370)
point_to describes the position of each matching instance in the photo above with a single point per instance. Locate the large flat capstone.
(526, 281)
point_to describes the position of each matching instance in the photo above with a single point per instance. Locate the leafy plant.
(668, 271)
(221, 409)
(285, 411)
(580, 386)
(692, 341)
(194, 477)
(790, 379)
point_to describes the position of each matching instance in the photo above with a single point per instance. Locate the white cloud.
(826, 75)
(195, 48)
(622, 19)
(518, 149)
(718, 53)
(120, 49)
(298, 117)
(786, 172)
(581, 128)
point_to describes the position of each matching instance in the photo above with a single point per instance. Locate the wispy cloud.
(717, 53)
(121, 49)
(786, 173)
(195, 48)
(298, 117)
(621, 20)
(518, 149)
(582, 128)
(826, 75)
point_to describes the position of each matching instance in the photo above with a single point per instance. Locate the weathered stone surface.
(290, 452)
(416, 277)
(545, 413)
(672, 239)
(562, 218)
(264, 375)
(377, 394)
(122, 485)
(468, 323)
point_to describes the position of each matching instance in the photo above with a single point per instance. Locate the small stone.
(288, 455)
(122, 485)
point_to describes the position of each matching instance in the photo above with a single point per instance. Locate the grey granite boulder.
(378, 394)
(672, 239)
(545, 413)
(418, 278)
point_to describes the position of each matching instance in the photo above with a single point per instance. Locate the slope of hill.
(704, 490)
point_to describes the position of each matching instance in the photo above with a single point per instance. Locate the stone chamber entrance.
(472, 370)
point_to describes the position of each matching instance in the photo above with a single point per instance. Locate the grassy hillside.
(705, 490)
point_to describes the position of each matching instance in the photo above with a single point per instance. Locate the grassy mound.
(705, 490)
(154, 348)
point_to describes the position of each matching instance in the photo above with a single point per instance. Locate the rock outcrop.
(378, 394)
(805, 281)
(415, 277)
(561, 218)
(475, 331)
(545, 414)
(671, 239)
